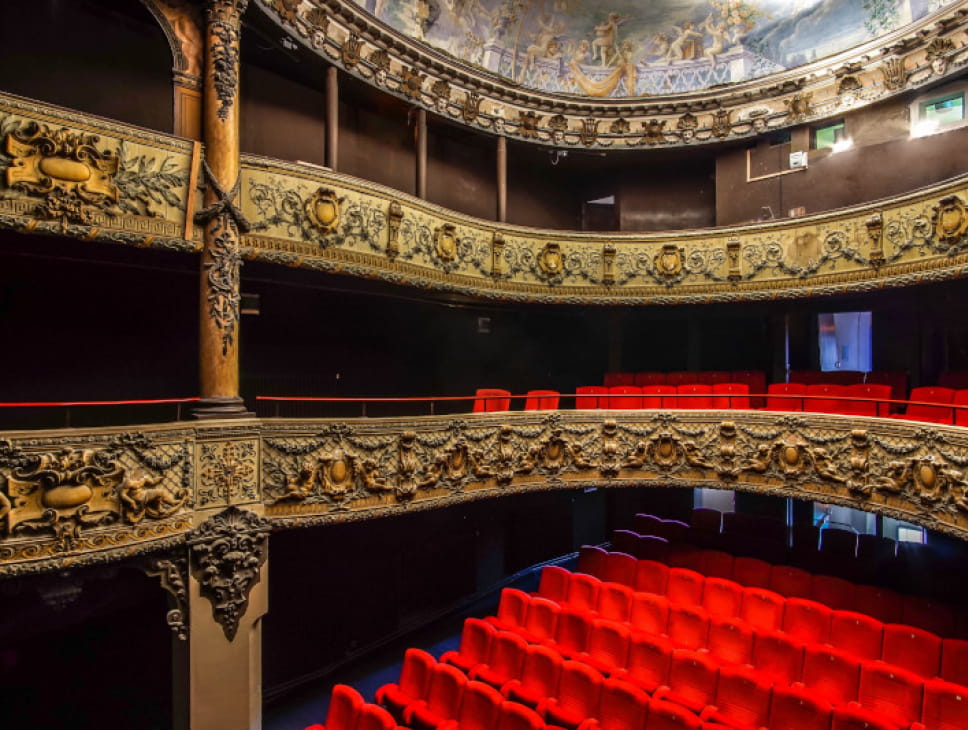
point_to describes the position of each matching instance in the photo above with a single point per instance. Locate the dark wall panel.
(461, 171)
(378, 145)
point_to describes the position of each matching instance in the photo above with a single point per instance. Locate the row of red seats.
(722, 616)
(755, 379)
(688, 395)
(789, 581)
(734, 689)
(349, 711)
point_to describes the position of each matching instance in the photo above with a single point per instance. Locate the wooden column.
(221, 217)
(421, 134)
(502, 179)
(332, 118)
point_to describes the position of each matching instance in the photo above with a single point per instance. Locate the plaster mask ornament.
(498, 121)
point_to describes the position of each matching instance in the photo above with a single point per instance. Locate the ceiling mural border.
(927, 52)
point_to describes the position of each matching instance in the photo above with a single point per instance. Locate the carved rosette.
(228, 472)
(323, 210)
(227, 554)
(950, 220)
(74, 179)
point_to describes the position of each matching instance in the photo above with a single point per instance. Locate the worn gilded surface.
(77, 497)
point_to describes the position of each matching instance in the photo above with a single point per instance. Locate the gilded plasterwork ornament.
(528, 124)
(620, 126)
(938, 53)
(441, 93)
(799, 106)
(668, 262)
(394, 221)
(589, 131)
(875, 236)
(349, 52)
(608, 264)
(894, 74)
(413, 83)
(653, 132)
(687, 126)
(558, 125)
(721, 123)
(497, 255)
(445, 242)
(950, 220)
(471, 107)
(380, 61)
(323, 210)
(551, 262)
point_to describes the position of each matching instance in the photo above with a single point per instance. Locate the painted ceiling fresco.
(620, 48)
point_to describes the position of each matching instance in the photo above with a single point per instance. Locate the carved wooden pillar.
(421, 153)
(502, 179)
(332, 118)
(221, 216)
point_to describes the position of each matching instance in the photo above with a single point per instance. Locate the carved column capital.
(225, 11)
(227, 554)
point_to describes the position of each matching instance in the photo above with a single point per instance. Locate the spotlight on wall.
(842, 144)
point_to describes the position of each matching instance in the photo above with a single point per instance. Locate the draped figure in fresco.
(624, 70)
(606, 38)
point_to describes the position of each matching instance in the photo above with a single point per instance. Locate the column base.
(221, 407)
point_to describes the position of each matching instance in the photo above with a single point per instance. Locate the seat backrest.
(790, 581)
(685, 555)
(646, 524)
(913, 649)
(620, 568)
(842, 543)
(961, 414)
(614, 602)
(418, 667)
(670, 716)
(798, 709)
(621, 706)
(712, 377)
(588, 396)
(743, 696)
(874, 393)
(807, 377)
(554, 583)
(374, 717)
(881, 603)
(853, 717)
(542, 618)
(831, 591)
(673, 530)
(731, 395)
(928, 614)
(571, 631)
(688, 626)
(583, 592)
(507, 654)
(751, 572)
(890, 691)
(492, 400)
(619, 379)
(541, 669)
(831, 673)
(694, 396)
(706, 518)
(649, 378)
(624, 397)
(345, 707)
(777, 657)
(730, 640)
(716, 564)
(515, 716)
(444, 693)
(650, 613)
(762, 608)
(722, 597)
(579, 688)
(896, 379)
(608, 643)
(930, 394)
(954, 661)
(857, 634)
(659, 396)
(945, 706)
(782, 396)
(480, 707)
(692, 677)
(685, 586)
(542, 400)
(651, 576)
(806, 620)
(822, 398)
(513, 607)
(648, 660)
(680, 377)
(475, 640)
(591, 560)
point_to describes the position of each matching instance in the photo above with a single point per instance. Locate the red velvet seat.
(374, 717)
(480, 708)
(896, 379)
(619, 379)
(730, 641)
(785, 397)
(742, 699)
(625, 541)
(823, 398)
(688, 626)
(624, 397)
(920, 410)
(555, 583)
(954, 661)
(961, 414)
(913, 649)
(648, 662)
(789, 581)
(777, 657)
(542, 400)
(621, 706)
(806, 620)
(694, 396)
(731, 395)
(651, 576)
(857, 634)
(692, 680)
(797, 709)
(706, 519)
(571, 632)
(644, 379)
(442, 700)
(345, 707)
(655, 397)
(492, 400)
(541, 620)
(646, 524)
(756, 380)
(752, 572)
(619, 568)
(857, 718)
(650, 613)
(881, 603)
(588, 397)
(670, 716)
(575, 698)
(512, 610)
(722, 597)
(808, 377)
(875, 392)
(504, 660)
(714, 377)
(583, 592)
(539, 676)
(418, 666)
(892, 692)
(680, 377)
(831, 674)
(518, 717)
(591, 560)
(607, 647)
(475, 643)
(675, 531)
(685, 586)
(930, 615)
(831, 591)
(762, 608)
(614, 602)
(945, 706)
(716, 564)
(685, 555)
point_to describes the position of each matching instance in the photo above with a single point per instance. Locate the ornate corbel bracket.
(172, 572)
(227, 554)
(875, 235)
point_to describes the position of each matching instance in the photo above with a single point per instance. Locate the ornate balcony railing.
(75, 497)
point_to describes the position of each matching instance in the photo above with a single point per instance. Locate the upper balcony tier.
(574, 75)
(77, 176)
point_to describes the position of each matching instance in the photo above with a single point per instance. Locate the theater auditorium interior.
(484, 364)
